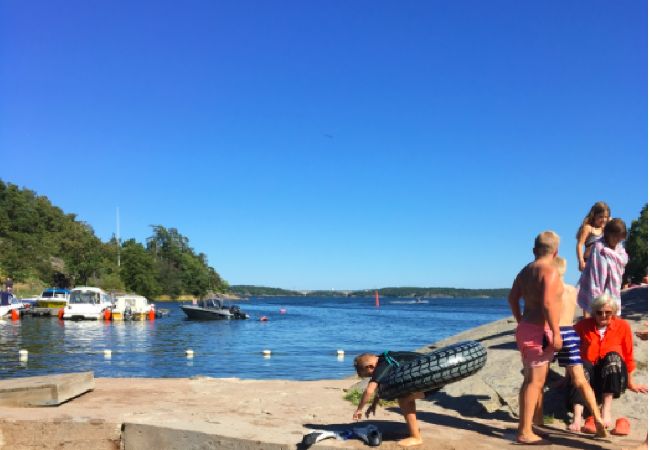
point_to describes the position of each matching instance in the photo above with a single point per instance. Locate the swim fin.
(369, 434)
(316, 436)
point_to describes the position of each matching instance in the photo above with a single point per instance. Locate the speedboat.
(8, 303)
(87, 303)
(131, 307)
(212, 309)
(51, 301)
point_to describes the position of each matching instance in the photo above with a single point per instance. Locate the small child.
(377, 367)
(605, 267)
(569, 358)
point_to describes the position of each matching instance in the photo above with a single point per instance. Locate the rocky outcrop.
(493, 391)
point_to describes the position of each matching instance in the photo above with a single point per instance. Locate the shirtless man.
(569, 356)
(538, 329)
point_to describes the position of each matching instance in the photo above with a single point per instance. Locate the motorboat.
(131, 307)
(8, 303)
(51, 301)
(87, 303)
(212, 309)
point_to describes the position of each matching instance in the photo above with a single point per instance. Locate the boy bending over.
(377, 367)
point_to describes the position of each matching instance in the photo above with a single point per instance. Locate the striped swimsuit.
(569, 355)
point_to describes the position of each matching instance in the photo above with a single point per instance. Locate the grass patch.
(354, 397)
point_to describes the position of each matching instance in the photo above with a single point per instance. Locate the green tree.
(138, 269)
(82, 253)
(637, 247)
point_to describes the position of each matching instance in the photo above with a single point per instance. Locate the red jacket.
(618, 338)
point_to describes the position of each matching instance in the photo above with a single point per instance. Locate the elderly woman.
(606, 349)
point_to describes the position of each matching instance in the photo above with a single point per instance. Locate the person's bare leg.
(407, 405)
(606, 409)
(531, 389)
(576, 424)
(580, 382)
(538, 416)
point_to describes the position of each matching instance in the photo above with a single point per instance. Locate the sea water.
(303, 335)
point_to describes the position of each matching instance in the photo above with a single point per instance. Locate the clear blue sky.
(332, 144)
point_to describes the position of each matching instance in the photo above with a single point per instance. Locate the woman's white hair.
(604, 300)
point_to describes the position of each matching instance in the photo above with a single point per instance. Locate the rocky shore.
(203, 413)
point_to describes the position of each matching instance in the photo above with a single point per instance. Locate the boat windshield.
(84, 297)
(210, 303)
(52, 294)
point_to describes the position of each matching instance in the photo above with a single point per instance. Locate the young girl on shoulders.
(590, 231)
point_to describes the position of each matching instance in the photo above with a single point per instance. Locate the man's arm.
(513, 299)
(552, 303)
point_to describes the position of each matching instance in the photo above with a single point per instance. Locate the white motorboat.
(87, 303)
(131, 307)
(8, 303)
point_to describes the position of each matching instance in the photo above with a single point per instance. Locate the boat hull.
(196, 313)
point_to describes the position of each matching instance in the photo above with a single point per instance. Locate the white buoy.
(340, 352)
(107, 353)
(23, 354)
(266, 352)
(189, 353)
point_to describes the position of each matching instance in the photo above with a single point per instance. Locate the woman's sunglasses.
(604, 313)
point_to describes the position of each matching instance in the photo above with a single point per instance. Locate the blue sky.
(332, 144)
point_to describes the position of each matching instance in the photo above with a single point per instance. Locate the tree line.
(42, 245)
(431, 292)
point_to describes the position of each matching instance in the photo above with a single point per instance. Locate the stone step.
(47, 390)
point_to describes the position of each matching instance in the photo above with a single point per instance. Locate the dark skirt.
(607, 376)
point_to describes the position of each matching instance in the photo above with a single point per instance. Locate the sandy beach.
(205, 413)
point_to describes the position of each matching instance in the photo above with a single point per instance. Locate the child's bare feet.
(410, 442)
(601, 430)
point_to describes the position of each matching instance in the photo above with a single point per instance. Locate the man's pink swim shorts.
(535, 343)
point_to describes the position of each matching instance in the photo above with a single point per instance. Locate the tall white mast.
(118, 235)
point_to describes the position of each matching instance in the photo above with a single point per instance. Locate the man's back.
(534, 281)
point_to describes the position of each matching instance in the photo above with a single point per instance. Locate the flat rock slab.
(48, 390)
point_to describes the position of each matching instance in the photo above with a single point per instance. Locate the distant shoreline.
(388, 292)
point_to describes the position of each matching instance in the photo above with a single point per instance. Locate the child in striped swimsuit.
(569, 356)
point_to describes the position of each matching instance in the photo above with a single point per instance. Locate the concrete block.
(48, 390)
(140, 436)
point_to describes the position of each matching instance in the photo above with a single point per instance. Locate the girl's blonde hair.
(598, 208)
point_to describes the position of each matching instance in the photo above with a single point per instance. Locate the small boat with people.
(87, 303)
(132, 307)
(213, 309)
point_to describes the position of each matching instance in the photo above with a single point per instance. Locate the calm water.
(303, 341)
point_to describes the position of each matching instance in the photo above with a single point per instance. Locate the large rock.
(493, 391)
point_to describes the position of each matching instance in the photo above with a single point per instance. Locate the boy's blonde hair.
(360, 363)
(546, 243)
(560, 265)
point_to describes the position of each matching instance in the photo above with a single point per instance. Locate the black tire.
(434, 370)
